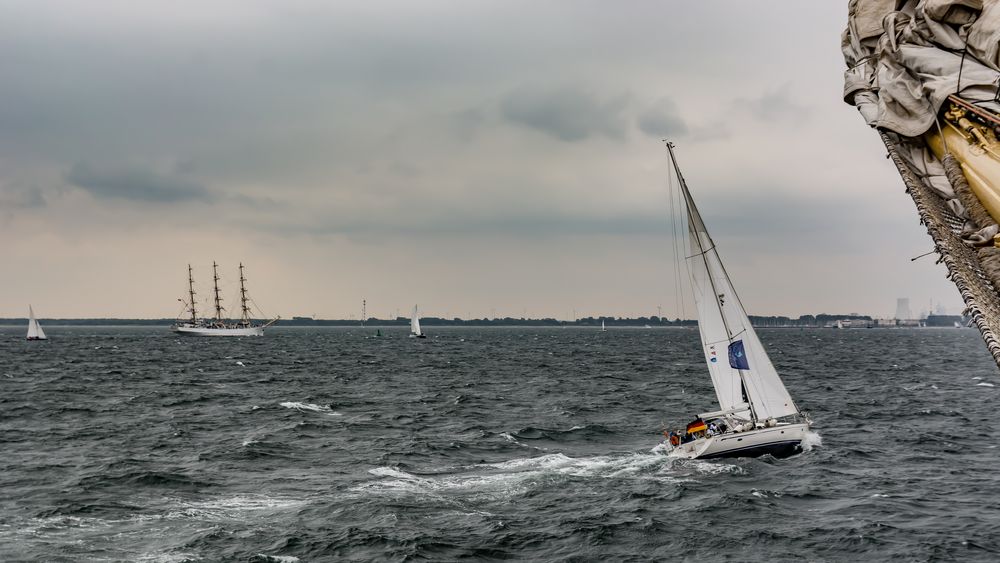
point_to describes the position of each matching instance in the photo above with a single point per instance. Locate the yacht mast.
(218, 301)
(245, 319)
(194, 315)
(693, 214)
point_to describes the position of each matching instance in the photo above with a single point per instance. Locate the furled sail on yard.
(926, 75)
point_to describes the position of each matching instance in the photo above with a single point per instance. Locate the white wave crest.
(984, 384)
(310, 407)
(507, 436)
(166, 557)
(811, 440)
(765, 493)
(278, 558)
(713, 467)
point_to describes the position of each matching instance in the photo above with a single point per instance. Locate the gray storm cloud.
(21, 197)
(773, 105)
(136, 184)
(567, 113)
(662, 120)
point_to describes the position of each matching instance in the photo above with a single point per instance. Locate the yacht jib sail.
(35, 331)
(746, 384)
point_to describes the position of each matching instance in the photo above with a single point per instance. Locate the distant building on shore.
(903, 309)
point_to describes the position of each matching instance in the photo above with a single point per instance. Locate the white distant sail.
(35, 331)
(415, 324)
(602, 326)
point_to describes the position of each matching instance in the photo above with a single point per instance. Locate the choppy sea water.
(130, 444)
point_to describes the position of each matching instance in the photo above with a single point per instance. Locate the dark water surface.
(130, 444)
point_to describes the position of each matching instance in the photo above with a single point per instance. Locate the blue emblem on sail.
(738, 356)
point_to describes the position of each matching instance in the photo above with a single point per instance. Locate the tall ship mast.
(220, 325)
(245, 315)
(926, 77)
(194, 314)
(218, 300)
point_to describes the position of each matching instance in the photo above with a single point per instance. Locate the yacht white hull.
(783, 440)
(218, 331)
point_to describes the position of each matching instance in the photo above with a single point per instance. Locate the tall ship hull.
(218, 331)
(925, 76)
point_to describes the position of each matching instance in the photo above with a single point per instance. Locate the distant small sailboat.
(415, 325)
(219, 326)
(602, 326)
(35, 331)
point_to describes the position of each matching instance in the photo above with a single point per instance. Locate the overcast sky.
(468, 156)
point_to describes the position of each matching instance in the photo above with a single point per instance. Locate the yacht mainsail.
(35, 331)
(742, 373)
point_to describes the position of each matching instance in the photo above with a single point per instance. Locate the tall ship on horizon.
(926, 76)
(219, 325)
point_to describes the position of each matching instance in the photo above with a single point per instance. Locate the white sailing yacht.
(219, 326)
(602, 326)
(415, 325)
(757, 415)
(35, 331)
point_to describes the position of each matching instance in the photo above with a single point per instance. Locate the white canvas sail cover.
(34, 329)
(723, 321)
(905, 57)
(415, 322)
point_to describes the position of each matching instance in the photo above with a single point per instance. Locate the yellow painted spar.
(980, 159)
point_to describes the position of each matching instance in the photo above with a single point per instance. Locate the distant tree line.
(653, 321)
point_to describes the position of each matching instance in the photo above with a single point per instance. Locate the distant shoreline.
(805, 321)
